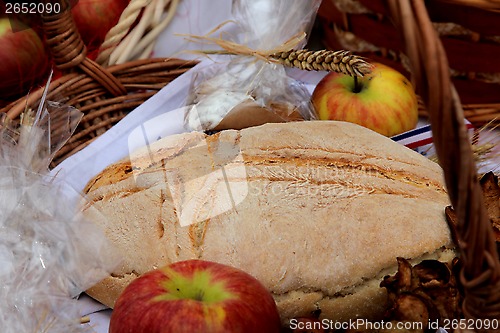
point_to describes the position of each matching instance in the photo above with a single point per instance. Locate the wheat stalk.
(324, 60)
(484, 152)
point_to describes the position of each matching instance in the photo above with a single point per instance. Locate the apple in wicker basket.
(23, 59)
(383, 101)
(195, 296)
(94, 18)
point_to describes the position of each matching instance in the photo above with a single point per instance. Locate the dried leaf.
(439, 287)
(401, 281)
(491, 194)
(409, 307)
(425, 292)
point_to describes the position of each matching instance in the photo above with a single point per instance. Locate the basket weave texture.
(104, 94)
(469, 31)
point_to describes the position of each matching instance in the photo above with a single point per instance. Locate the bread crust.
(325, 209)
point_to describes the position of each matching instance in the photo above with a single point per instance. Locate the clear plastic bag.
(250, 90)
(48, 253)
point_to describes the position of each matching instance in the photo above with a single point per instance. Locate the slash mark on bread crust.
(197, 236)
(339, 165)
(161, 228)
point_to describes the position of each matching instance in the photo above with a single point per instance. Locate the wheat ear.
(324, 60)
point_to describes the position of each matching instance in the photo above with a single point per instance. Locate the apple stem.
(357, 86)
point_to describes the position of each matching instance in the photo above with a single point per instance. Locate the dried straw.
(324, 60)
(484, 152)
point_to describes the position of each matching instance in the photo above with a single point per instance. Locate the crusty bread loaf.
(318, 211)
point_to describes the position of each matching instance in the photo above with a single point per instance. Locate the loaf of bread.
(318, 211)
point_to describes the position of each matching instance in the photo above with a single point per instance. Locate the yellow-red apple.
(383, 101)
(195, 296)
(24, 61)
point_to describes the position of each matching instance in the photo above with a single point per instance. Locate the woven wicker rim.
(480, 275)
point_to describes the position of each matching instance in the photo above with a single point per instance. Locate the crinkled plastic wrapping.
(263, 25)
(48, 253)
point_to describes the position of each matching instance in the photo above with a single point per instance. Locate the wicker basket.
(104, 95)
(427, 57)
(469, 31)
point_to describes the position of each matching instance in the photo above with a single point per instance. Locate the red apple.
(383, 101)
(195, 296)
(23, 59)
(94, 18)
